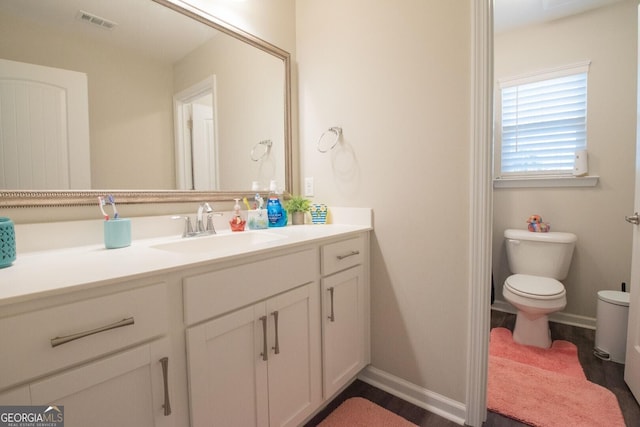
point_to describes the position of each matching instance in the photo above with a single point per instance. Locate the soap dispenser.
(237, 223)
(258, 218)
(275, 211)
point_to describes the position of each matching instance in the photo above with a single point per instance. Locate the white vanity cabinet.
(262, 337)
(345, 312)
(104, 359)
(258, 365)
(126, 389)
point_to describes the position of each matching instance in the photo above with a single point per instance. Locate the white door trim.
(480, 223)
(181, 101)
(632, 357)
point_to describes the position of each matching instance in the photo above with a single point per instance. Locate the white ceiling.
(166, 35)
(511, 14)
(143, 25)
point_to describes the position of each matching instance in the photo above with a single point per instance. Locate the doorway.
(196, 142)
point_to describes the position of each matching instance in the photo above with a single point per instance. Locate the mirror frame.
(46, 198)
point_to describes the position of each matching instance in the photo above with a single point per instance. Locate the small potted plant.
(297, 206)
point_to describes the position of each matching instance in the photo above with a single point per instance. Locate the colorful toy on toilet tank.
(536, 225)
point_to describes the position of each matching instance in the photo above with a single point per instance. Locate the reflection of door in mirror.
(203, 144)
(196, 137)
(44, 139)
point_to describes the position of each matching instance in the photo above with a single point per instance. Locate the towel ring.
(267, 143)
(337, 131)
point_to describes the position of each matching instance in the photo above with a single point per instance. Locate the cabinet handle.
(264, 355)
(332, 316)
(165, 376)
(68, 338)
(352, 253)
(276, 348)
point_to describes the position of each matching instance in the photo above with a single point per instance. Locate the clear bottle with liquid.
(237, 223)
(276, 213)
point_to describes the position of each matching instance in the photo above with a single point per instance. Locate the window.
(543, 122)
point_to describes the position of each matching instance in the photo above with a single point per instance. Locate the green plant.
(297, 204)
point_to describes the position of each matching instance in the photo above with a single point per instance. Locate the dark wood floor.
(607, 374)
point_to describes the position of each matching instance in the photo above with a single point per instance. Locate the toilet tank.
(539, 254)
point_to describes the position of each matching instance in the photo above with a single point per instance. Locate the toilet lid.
(525, 285)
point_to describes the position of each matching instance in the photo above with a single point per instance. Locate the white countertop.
(52, 272)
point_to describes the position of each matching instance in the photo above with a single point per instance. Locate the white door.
(125, 389)
(44, 128)
(205, 168)
(632, 359)
(294, 355)
(227, 370)
(343, 328)
(195, 136)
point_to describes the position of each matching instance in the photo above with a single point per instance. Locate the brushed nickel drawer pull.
(68, 338)
(352, 253)
(276, 348)
(165, 376)
(264, 354)
(332, 316)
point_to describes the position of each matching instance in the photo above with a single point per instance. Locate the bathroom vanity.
(253, 328)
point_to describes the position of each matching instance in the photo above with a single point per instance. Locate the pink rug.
(359, 412)
(545, 387)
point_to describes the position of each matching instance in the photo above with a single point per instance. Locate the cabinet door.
(294, 356)
(126, 389)
(227, 373)
(344, 333)
(18, 396)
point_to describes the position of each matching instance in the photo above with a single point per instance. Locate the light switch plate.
(308, 186)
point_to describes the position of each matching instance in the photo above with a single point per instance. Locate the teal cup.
(117, 233)
(7, 242)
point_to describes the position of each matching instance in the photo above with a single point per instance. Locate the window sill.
(547, 181)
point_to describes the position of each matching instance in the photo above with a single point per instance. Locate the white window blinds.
(544, 122)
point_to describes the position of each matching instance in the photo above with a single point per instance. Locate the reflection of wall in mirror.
(246, 94)
(130, 117)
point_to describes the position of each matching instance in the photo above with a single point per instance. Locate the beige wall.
(249, 90)
(395, 75)
(602, 258)
(270, 20)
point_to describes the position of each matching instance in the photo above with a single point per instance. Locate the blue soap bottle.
(276, 213)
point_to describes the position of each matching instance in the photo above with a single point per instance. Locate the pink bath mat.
(359, 412)
(546, 387)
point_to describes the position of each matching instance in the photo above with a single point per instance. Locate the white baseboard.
(558, 317)
(433, 402)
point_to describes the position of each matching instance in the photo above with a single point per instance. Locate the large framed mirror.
(179, 106)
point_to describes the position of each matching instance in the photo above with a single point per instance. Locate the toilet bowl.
(538, 262)
(535, 298)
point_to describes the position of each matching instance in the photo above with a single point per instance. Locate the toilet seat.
(537, 287)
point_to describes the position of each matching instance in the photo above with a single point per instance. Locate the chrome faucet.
(202, 228)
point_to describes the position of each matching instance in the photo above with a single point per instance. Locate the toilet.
(537, 261)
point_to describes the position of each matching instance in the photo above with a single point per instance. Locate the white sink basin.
(231, 242)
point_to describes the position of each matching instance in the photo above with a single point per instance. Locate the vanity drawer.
(342, 255)
(101, 325)
(212, 294)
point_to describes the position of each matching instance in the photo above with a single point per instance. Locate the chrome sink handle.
(210, 229)
(204, 207)
(188, 227)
